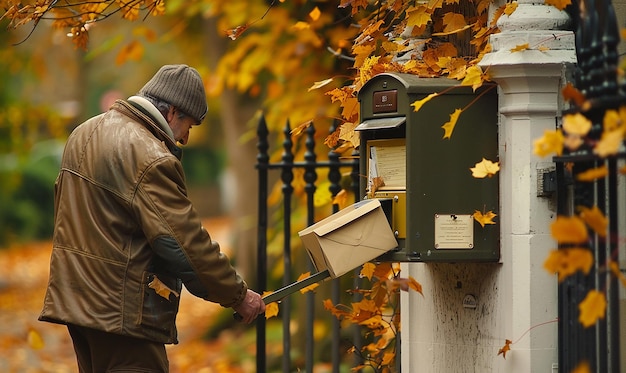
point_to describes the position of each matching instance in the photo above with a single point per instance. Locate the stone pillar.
(516, 298)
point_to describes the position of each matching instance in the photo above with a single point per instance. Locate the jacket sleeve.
(175, 232)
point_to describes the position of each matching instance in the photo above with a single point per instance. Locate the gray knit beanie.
(180, 86)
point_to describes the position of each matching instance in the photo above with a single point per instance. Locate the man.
(126, 236)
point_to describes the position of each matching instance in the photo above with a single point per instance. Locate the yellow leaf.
(576, 124)
(595, 219)
(300, 129)
(610, 142)
(315, 14)
(569, 230)
(347, 133)
(271, 310)
(301, 25)
(368, 270)
(510, 8)
(417, 16)
(551, 142)
(322, 195)
(35, 340)
(448, 127)
(162, 289)
(566, 262)
(592, 308)
(485, 168)
(320, 84)
(417, 105)
(593, 174)
(341, 199)
(487, 218)
(521, 47)
(388, 358)
(310, 287)
(505, 348)
(473, 77)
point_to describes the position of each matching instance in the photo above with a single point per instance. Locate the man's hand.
(251, 307)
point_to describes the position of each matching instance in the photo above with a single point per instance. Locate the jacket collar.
(152, 119)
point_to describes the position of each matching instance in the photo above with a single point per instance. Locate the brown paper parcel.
(349, 238)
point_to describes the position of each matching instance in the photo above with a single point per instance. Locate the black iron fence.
(286, 167)
(597, 345)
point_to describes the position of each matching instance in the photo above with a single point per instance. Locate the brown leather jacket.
(124, 226)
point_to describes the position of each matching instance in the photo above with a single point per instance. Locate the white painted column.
(517, 298)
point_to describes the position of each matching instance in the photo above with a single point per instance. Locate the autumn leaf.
(610, 142)
(348, 134)
(300, 129)
(162, 289)
(377, 183)
(559, 4)
(576, 124)
(617, 272)
(521, 47)
(310, 287)
(35, 340)
(571, 93)
(550, 143)
(506, 348)
(454, 23)
(593, 174)
(569, 230)
(583, 366)
(320, 84)
(473, 77)
(487, 218)
(592, 308)
(510, 8)
(341, 199)
(271, 310)
(566, 262)
(595, 219)
(417, 105)
(132, 51)
(417, 16)
(448, 127)
(410, 283)
(315, 14)
(485, 168)
(233, 34)
(368, 270)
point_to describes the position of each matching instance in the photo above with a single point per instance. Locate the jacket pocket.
(159, 304)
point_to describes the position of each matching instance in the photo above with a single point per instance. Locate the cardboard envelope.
(349, 238)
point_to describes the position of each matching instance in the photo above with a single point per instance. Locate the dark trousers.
(101, 352)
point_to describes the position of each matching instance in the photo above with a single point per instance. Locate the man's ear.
(170, 114)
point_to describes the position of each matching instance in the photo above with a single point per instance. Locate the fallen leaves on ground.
(28, 345)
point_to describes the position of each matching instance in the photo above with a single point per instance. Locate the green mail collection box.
(424, 181)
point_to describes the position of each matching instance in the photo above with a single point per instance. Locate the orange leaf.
(453, 22)
(132, 51)
(315, 14)
(571, 93)
(595, 219)
(487, 218)
(271, 310)
(566, 262)
(569, 230)
(413, 284)
(592, 308)
(485, 168)
(368, 270)
(559, 4)
(593, 174)
(310, 287)
(236, 32)
(610, 142)
(617, 272)
(505, 348)
(300, 129)
(418, 16)
(320, 84)
(582, 367)
(448, 127)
